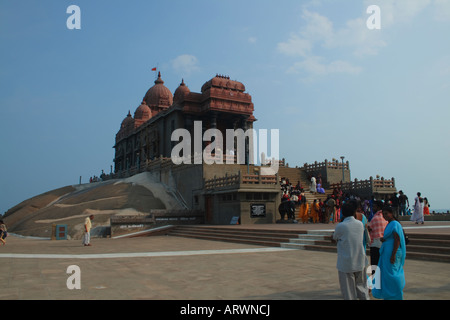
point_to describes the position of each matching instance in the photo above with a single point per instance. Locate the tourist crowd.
(361, 223)
(326, 209)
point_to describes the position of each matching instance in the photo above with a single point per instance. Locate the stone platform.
(175, 268)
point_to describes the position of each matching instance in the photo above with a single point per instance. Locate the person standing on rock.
(87, 231)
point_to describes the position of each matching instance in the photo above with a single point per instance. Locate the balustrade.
(334, 164)
(238, 179)
(368, 184)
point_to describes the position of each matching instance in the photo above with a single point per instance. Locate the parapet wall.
(330, 171)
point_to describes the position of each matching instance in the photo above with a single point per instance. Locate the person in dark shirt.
(403, 203)
(395, 204)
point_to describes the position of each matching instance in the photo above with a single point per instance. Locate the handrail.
(334, 164)
(370, 183)
(239, 179)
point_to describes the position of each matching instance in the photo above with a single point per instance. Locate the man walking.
(87, 231)
(404, 203)
(351, 259)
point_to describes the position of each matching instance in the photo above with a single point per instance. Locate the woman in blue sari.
(392, 259)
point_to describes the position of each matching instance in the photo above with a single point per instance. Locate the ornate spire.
(159, 80)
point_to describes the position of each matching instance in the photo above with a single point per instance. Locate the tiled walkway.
(188, 269)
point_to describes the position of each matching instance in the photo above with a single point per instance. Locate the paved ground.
(172, 268)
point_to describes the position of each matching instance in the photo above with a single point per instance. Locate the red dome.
(181, 92)
(159, 95)
(128, 121)
(143, 112)
(223, 82)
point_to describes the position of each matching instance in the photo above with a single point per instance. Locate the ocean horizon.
(439, 210)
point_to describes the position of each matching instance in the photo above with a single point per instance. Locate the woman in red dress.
(426, 207)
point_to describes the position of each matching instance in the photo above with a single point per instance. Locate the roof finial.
(159, 80)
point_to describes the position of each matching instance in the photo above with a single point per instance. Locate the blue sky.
(331, 86)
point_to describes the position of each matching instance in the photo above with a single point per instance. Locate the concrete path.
(172, 268)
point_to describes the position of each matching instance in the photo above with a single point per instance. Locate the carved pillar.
(244, 126)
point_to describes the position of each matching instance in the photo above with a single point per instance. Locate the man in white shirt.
(351, 258)
(87, 230)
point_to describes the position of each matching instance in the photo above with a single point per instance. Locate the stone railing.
(370, 185)
(211, 158)
(334, 164)
(239, 179)
(227, 181)
(268, 162)
(258, 179)
(143, 166)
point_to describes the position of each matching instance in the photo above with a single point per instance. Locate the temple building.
(222, 104)
(218, 193)
(222, 192)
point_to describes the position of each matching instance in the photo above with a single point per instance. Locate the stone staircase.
(261, 237)
(312, 240)
(430, 247)
(298, 174)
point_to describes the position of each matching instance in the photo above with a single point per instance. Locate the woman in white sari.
(417, 216)
(313, 187)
